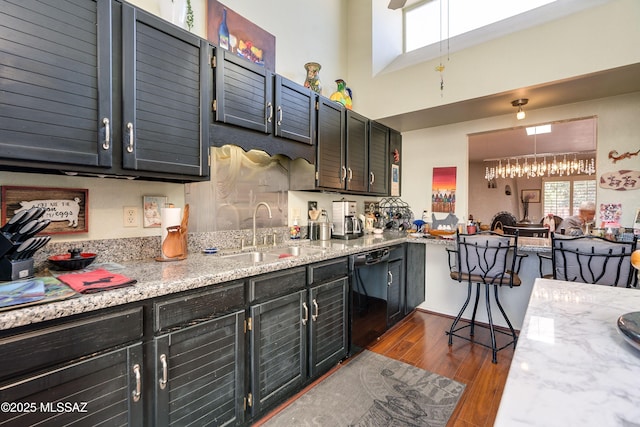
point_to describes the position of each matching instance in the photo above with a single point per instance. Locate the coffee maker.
(346, 224)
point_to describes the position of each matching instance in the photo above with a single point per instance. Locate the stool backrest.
(591, 259)
(485, 257)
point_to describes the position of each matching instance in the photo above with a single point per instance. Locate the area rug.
(374, 390)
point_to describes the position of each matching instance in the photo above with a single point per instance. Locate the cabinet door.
(379, 166)
(329, 325)
(278, 349)
(357, 131)
(295, 111)
(100, 390)
(415, 281)
(55, 80)
(165, 115)
(395, 292)
(330, 163)
(199, 373)
(243, 93)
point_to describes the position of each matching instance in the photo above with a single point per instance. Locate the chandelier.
(536, 165)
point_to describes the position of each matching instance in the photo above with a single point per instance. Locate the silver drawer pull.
(314, 317)
(390, 278)
(163, 380)
(305, 319)
(130, 129)
(270, 108)
(137, 392)
(279, 115)
(107, 133)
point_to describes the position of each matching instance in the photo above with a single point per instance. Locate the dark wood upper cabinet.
(379, 166)
(101, 87)
(55, 80)
(357, 134)
(330, 161)
(165, 118)
(251, 98)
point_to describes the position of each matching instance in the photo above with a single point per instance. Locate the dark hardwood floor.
(420, 340)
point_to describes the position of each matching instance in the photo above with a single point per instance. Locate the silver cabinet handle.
(163, 380)
(372, 178)
(130, 129)
(270, 108)
(344, 174)
(279, 110)
(107, 133)
(305, 319)
(314, 317)
(350, 174)
(390, 278)
(137, 392)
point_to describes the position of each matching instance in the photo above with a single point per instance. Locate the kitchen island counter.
(571, 366)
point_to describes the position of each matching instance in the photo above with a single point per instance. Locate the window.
(562, 197)
(427, 22)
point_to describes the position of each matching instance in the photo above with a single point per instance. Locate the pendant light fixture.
(519, 103)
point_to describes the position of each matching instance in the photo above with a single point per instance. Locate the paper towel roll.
(168, 218)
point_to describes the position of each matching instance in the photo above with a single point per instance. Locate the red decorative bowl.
(69, 262)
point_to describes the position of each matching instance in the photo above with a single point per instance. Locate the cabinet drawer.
(275, 284)
(48, 346)
(328, 270)
(199, 306)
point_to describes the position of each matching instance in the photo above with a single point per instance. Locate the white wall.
(595, 39)
(618, 127)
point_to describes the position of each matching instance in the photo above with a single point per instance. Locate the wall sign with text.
(67, 208)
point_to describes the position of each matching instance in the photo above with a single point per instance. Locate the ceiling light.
(519, 103)
(397, 4)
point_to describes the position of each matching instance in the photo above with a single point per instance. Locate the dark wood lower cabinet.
(220, 355)
(99, 390)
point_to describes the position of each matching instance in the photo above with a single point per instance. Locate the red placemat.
(96, 281)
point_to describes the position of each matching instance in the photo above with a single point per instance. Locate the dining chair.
(594, 260)
(485, 259)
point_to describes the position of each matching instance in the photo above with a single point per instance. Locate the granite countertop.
(198, 270)
(571, 366)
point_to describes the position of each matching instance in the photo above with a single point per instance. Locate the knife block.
(5, 244)
(16, 269)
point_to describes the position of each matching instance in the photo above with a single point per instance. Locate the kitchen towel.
(96, 281)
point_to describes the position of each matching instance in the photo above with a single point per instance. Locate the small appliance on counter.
(346, 224)
(18, 243)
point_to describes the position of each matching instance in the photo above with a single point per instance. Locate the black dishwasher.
(370, 279)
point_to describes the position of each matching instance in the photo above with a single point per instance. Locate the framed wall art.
(151, 206)
(531, 196)
(240, 36)
(67, 208)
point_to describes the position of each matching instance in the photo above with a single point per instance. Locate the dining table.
(572, 366)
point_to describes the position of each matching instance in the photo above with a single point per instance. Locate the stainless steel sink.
(297, 251)
(254, 257)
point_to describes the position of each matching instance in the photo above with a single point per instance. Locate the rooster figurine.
(343, 95)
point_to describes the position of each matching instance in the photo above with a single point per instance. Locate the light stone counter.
(199, 270)
(571, 366)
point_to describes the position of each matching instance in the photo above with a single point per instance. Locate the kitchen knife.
(17, 254)
(13, 222)
(42, 240)
(24, 232)
(41, 225)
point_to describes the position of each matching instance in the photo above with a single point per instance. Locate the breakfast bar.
(571, 366)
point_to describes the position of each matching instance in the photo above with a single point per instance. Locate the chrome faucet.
(255, 212)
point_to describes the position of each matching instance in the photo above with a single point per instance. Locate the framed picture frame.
(531, 196)
(67, 208)
(151, 206)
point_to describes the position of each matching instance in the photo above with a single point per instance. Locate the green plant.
(189, 15)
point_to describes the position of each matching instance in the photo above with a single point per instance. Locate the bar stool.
(487, 259)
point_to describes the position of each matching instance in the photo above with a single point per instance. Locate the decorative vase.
(174, 11)
(343, 95)
(313, 77)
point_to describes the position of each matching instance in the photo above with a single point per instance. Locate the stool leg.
(513, 332)
(494, 350)
(475, 310)
(464, 306)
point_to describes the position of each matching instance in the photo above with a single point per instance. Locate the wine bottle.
(223, 31)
